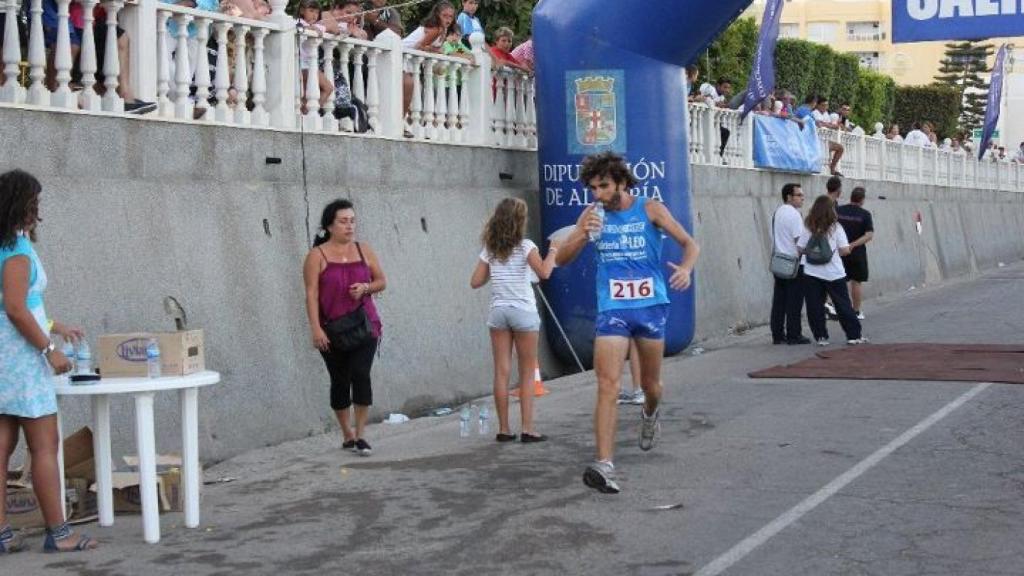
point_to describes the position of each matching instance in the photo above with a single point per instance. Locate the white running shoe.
(625, 397)
(860, 315)
(638, 398)
(601, 477)
(856, 341)
(821, 341)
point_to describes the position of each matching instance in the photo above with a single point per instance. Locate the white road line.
(748, 545)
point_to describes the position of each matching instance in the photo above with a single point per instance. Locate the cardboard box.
(124, 355)
(79, 474)
(23, 511)
(170, 494)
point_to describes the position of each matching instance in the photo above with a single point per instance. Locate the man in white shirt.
(917, 137)
(823, 119)
(717, 96)
(788, 297)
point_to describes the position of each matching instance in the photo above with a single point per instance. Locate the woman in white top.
(823, 243)
(506, 260)
(428, 37)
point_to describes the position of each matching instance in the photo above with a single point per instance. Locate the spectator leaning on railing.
(894, 133)
(380, 18)
(132, 105)
(309, 19)
(917, 136)
(341, 20)
(823, 119)
(692, 75)
(468, 21)
(428, 37)
(500, 51)
(524, 54)
(717, 96)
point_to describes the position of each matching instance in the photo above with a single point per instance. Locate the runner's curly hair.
(606, 164)
(19, 205)
(822, 216)
(505, 229)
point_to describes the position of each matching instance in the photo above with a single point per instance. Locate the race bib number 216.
(636, 289)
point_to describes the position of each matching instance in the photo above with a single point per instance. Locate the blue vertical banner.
(923, 20)
(610, 78)
(995, 98)
(762, 74)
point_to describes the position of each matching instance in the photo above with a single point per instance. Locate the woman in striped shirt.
(506, 260)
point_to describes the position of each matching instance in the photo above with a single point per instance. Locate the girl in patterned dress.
(28, 361)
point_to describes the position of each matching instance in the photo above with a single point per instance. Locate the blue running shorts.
(648, 322)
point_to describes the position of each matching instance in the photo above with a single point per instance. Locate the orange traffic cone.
(538, 385)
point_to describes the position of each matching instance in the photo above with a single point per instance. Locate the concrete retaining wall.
(963, 232)
(135, 210)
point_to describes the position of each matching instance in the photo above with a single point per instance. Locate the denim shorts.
(514, 319)
(647, 322)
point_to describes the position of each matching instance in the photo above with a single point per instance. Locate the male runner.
(632, 299)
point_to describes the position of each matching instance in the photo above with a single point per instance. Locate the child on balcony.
(309, 22)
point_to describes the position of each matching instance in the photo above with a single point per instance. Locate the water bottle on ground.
(83, 359)
(464, 422)
(153, 358)
(484, 426)
(595, 235)
(68, 349)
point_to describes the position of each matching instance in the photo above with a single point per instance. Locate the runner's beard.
(615, 202)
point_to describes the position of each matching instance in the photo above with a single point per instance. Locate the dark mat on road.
(947, 362)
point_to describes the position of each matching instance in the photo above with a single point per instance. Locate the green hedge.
(846, 66)
(939, 105)
(805, 68)
(871, 101)
(794, 66)
(824, 77)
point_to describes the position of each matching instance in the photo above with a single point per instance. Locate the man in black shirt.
(860, 229)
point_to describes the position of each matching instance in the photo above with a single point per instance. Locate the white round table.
(143, 390)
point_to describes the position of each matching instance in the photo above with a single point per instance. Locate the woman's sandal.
(10, 542)
(505, 437)
(63, 532)
(531, 438)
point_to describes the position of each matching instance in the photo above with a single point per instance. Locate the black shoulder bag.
(352, 330)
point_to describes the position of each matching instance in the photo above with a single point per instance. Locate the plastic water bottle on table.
(464, 415)
(153, 358)
(83, 359)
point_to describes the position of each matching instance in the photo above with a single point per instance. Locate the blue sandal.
(9, 542)
(63, 532)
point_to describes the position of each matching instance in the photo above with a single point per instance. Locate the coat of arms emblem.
(595, 110)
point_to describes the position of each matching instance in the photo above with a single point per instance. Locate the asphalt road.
(772, 477)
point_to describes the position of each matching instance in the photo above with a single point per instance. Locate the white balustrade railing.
(208, 67)
(186, 42)
(864, 157)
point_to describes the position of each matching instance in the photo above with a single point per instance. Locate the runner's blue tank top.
(629, 267)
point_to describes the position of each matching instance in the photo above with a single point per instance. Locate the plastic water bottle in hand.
(83, 359)
(595, 235)
(68, 349)
(484, 425)
(153, 358)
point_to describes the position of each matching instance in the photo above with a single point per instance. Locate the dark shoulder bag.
(352, 330)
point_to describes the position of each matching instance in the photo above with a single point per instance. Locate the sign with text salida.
(924, 20)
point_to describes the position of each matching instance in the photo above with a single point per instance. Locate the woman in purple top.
(340, 275)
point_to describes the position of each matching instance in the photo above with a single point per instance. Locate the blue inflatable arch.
(610, 76)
